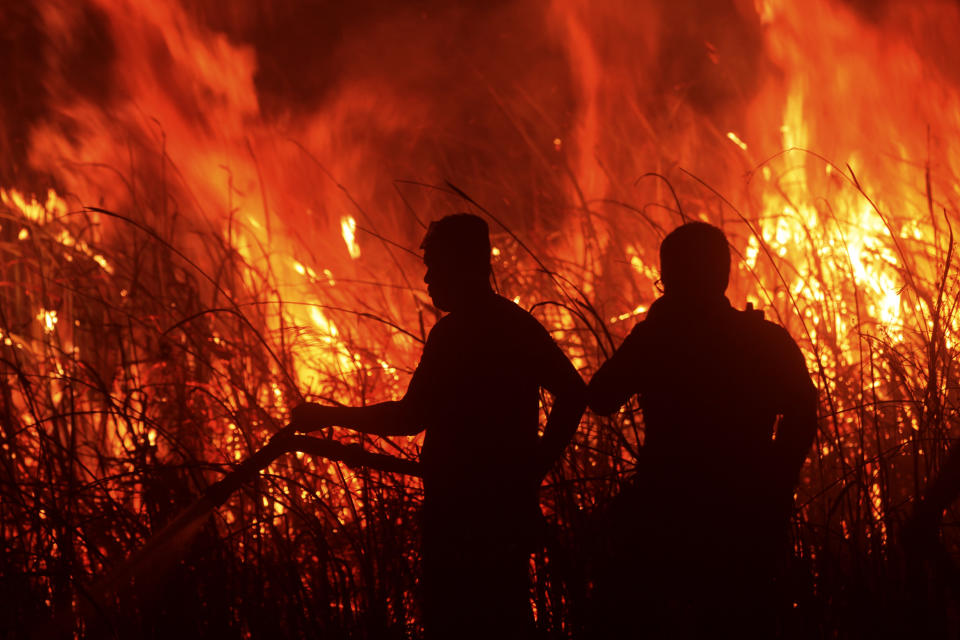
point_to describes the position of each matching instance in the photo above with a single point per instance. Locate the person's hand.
(309, 416)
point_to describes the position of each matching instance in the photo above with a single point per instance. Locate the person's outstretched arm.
(569, 401)
(616, 379)
(392, 418)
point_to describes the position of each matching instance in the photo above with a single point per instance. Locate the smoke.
(475, 91)
(526, 105)
(46, 63)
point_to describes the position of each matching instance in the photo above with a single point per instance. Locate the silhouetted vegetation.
(143, 355)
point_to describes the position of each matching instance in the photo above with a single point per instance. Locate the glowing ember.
(736, 140)
(48, 319)
(348, 227)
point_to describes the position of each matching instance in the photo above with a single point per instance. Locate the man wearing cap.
(476, 393)
(729, 414)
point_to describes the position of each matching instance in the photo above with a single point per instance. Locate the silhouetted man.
(476, 392)
(730, 413)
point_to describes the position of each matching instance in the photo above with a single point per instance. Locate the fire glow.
(200, 230)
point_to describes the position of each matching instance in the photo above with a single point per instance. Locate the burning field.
(210, 211)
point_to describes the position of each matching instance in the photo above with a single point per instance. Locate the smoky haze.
(512, 101)
(476, 91)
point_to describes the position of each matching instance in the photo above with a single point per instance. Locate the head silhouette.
(695, 262)
(456, 251)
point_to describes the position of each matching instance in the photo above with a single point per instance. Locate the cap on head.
(460, 242)
(695, 261)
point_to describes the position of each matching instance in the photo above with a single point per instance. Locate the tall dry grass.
(177, 350)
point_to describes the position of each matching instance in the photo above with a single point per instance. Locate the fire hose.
(163, 547)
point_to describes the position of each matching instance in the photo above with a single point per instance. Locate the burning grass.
(143, 355)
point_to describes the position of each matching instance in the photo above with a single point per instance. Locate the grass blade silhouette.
(147, 566)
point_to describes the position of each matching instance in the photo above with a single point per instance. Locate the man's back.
(477, 390)
(713, 383)
(729, 413)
